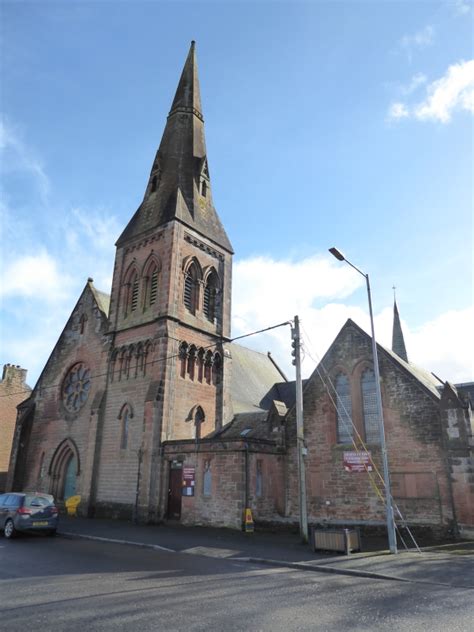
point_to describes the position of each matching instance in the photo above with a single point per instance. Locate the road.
(63, 584)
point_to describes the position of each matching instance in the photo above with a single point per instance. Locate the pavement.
(446, 565)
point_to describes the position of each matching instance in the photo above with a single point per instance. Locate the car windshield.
(36, 500)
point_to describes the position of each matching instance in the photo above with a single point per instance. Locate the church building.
(147, 409)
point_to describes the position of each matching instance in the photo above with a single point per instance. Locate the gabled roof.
(425, 379)
(102, 301)
(254, 376)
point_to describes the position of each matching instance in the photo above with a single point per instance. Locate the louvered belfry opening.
(190, 289)
(134, 299)
(209, 299)
(153, 286)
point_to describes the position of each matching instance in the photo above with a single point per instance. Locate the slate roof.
(254, 377)
(102, 299)
(246, 426)
(427, 379)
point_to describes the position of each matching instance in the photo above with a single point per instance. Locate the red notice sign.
(357, 462)
(189, 478)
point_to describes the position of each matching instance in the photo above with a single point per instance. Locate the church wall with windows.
(338, 494)
(61, 424)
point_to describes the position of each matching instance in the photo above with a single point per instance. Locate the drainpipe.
(247, 477)
(137, 492)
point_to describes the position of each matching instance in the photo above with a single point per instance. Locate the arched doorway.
(70, 478)
(64, 470)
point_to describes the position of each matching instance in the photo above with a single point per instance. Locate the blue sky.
(327, 123)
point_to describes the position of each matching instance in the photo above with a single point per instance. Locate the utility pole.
(300, 447)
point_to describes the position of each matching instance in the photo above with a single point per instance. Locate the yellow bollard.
(248, 521)
(71, 505)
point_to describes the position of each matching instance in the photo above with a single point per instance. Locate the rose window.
(76, 387)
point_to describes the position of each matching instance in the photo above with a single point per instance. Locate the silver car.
(28, 511)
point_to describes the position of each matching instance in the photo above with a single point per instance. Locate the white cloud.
(398, 111)
(415, 82)
(423, 38)
(462, 7)
(35, 276)
(268, 292)
(16, 156)
(452, 92)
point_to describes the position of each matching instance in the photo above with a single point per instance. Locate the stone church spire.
(179, 186)
(398, 342)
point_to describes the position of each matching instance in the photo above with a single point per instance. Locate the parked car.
(28, 511)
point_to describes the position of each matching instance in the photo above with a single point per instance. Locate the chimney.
(14, 374)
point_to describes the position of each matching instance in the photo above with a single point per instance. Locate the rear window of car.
(35, 500)
(13, 500)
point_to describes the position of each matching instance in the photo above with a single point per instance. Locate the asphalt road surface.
(60, 584)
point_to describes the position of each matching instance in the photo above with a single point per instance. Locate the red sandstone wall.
(413, 436)
(13, 391)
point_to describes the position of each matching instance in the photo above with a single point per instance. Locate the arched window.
(183, 356)
(344, 409)
(216, 369)
(125, 416)
(203, 188)
(199, 419)
(122, 371)
(153, 184)
(200, 364)
(146, 356)
(210, 295)
(208, 366)
(191, 361)
(128, 361)
(139, 360)
(369, 407)
(190, 296)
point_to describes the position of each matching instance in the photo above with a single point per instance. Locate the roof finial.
(394, 287)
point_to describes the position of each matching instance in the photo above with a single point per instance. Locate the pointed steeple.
(188, 97)
(398, 342)
(179, 184)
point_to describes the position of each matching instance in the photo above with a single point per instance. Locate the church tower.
(170, 303)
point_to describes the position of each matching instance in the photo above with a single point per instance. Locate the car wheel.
(51, 533)
(9, 530)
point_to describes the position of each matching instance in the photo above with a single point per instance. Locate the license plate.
(42, 523)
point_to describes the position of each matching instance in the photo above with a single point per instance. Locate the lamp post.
(392, 540)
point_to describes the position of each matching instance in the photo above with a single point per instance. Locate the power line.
(221, 341)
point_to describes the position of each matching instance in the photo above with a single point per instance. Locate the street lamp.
(392, 540)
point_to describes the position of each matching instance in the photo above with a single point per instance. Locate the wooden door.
(175, 487)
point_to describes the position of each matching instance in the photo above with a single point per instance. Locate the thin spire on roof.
(398, 342)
